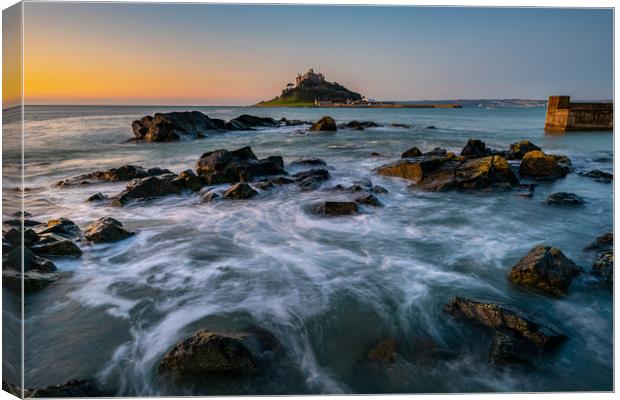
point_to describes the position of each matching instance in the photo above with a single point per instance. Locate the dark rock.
(32, 262)
(97, 197)
(483, 172)
(53, 245)
(293, 122)
(539, 165)
(12, 388)
(220, 353)
(248, 122)
(324, 124)
(431, 127)
(32, 280)
(355, 188)
(76, 388)
(13, 235)
(187, 180)
(335, 208)
(604, 267)
(124, 173)
(598, 175)
(145, 188)
(383, 352)
(405, 126)
(106, 229)
(271, 182)
(308, 161)
(564, 199)
(359, 125)
(525, 190)
(475, 148)
(375, 154)
(209, 197)
(240, 191)
(503, 317)
(369, 200)
(223, 166)
(62, 227)
(412, 152)
(21, 214)
(312, 179)
(510, 348)
(518, 150)
(174, 126)
(545, 269)
(602, 243)
(379, 189)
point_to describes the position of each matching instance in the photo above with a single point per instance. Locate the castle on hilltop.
(310, 76)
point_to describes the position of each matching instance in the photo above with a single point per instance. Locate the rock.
(105, 230)
(174, 126)
(412, 152)
(97, 197)
(12, 260)
(602, 243)
(124, 173)
(62, 227)
(50, 244)
(475, 148)
(144, 189)
(335, 208)
(12, 388)
(271, 182)
(539, 165)
(396, 125)
(223, 166)
(312, 179)
(375, 154)
(308, 161)
(369, 200)
(379, 189)
(564, 199)
(32, 280)
(431, 127)
(598, 175)
(525, 190)
(604, 267)
(383, 352)
(357, 125)
(240, 191)
(13, 235)
(509, 348)
(501, 317)
(187, 180)
(324, 124)
(483, 172)
(248, 122)
(76, 388)
(220, 353)
(293, 122)
(518, 150)
(545, 269)
(209, 197)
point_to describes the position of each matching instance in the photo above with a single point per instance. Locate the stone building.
(310, 75)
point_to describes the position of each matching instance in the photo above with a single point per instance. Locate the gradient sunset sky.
(192, 54)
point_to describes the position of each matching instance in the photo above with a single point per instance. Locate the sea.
(328, 288)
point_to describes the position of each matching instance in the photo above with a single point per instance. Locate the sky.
(197, 54)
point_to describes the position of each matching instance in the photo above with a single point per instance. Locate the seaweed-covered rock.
(335, 208)
(383, 352)
(545, 269)
(565, 199)
(241, 165)
(501, 317)
(220, 353)
(240, 191)
(106, 230)
(326, 123)
(518, 150)
(539, 165)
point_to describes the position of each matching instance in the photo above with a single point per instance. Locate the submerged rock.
(359, 125)
(312, 179)
(538, 165)
(545, 269)
(220, 353)
(106, 230)
(368, 200)
(324, 124)
(501, 317)
(598, 175)
(383, 352)
(209, 197)
(518, 150)
(240, 191)
(602, 243)
(97, 197)
(308, 161)
(335, 208)
(223, 166)
(271, 182)
(565, 199)
(604, 267)
(510, 348)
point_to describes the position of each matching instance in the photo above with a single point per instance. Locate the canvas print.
(233, 199)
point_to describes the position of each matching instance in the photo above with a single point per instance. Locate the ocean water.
(327, 288)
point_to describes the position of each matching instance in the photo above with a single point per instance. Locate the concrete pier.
(562, 115)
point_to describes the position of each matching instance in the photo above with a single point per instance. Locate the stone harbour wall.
(562, 115)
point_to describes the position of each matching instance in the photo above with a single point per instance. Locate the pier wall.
(562, 115)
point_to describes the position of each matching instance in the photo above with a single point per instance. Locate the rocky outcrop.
(223, 166)
(545, 269)
(383, 352)
(106, 230)
(598, 175)
(502, 317)
(240, 191)
(335, 208)
(120, 174)
(518, 150)
(439, 170)
(538, 165)
(209, 353)
(565, 199)
(475, 148)
(324, 124)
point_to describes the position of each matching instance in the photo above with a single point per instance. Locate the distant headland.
(311, 89)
